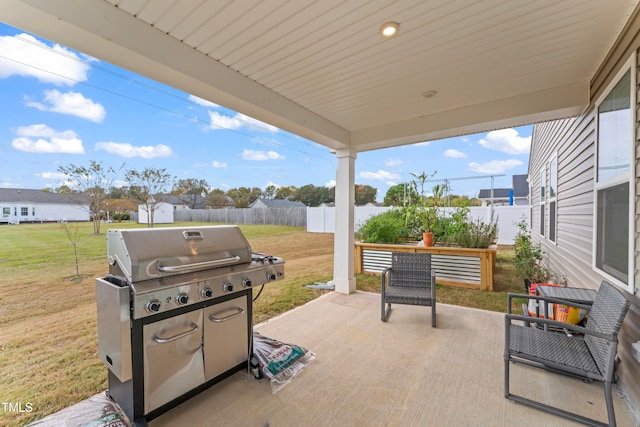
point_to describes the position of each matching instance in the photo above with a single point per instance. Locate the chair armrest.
(547, 299)
(383, 278)
(561, 325)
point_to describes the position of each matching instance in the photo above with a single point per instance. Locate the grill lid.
(147, 253)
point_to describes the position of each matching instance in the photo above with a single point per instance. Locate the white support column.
(343, 277)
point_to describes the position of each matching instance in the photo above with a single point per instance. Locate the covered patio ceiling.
(320, 69)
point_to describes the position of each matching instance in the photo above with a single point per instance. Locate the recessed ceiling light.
(429, 94)
(389, 29)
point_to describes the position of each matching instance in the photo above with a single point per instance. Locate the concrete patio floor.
(370, 373)
(399, 373)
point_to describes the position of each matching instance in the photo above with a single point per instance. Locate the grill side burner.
(176, 291)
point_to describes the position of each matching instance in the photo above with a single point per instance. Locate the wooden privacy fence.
(461, 267)
(296, 217)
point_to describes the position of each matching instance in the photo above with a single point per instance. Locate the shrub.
(477, 234)
(387, 227)
(528, 257)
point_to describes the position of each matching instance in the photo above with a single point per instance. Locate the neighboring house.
(179, 203)
(22, 205)
(584, 174)
(261, 203)
(162, 213)
(519, 188)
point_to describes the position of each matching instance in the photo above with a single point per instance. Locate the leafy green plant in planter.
(477, 234)
(387, 227)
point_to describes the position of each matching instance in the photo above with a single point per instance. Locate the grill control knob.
(182, 298)
(207, 293)
(271, 276)
(228, 287)
(153, 306)
(246, 283)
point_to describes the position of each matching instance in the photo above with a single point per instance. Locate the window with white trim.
(24, 211)
(553, 193)
(543, 178)
(613, 248)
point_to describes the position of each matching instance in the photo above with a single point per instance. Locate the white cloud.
(393, 162)
(389, 178)
(331, 183)
(24, 55)
(494, 166)
(219, 121)
(202, 102)
(218, 165)
(261, 155)
(127, 150)
(53, 175)
(41, 138)
(72, 103)
(507, 141)
(454, 153)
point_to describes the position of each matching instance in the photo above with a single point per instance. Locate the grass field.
(48, 336)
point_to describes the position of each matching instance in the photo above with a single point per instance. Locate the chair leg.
(609, 400)
(385, 313)
(433, 314)
(506, 376)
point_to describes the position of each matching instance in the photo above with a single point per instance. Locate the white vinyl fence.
(322, 219)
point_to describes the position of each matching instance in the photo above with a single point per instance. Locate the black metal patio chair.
(409, 280)
(590, 355)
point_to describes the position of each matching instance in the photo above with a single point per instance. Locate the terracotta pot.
(427, 239)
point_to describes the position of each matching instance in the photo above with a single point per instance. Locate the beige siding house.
(584, 178)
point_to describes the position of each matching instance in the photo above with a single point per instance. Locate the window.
(33, 211)
(543, 178)
(613, 250)
(24, 211)
(553, 192)
(6, 212)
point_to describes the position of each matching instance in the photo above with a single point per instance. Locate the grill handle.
(159, 340)
(186, 268)
(238, 312)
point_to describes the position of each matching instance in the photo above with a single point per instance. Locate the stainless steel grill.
(175, 312)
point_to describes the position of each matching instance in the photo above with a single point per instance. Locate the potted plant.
(428, 218)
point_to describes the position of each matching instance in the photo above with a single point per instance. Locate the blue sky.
(60, 107)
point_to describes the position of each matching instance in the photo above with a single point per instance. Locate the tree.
(311, 195)
(148, 188)
(71, 230)
(400, 195)
(120, 208)
(421, 179)
(217, 199)
(286, 193)
(90, 184)
(244, 196)
(439, 192)
(365, 194)
(190, 190)
(270, 192)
